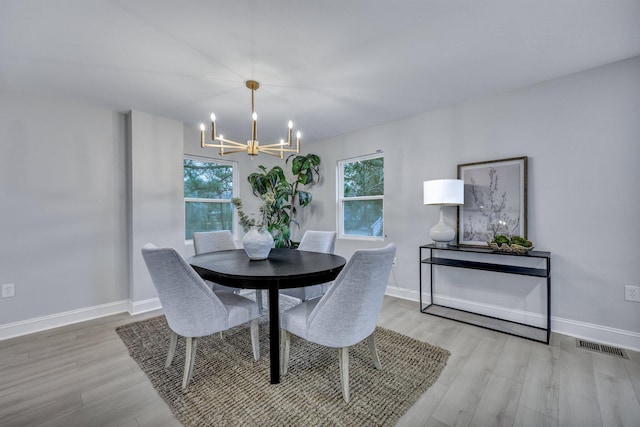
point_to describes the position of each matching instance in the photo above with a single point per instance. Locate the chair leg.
(373, 351)
(285, 343)
(255, 340)
(189, 361)
(173, 342)
(324, 288)
(259, 300)
(343, 358)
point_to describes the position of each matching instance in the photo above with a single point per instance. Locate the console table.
(444, 257)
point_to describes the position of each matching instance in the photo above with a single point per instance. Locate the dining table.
(283, 268)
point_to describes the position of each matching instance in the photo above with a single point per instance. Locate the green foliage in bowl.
(514, 244)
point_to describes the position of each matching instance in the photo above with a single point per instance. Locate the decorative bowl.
(506, 248)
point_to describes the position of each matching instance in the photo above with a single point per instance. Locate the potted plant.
(287, 195)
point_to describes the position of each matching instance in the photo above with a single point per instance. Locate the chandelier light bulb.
(254, 116)
(281, 141)
(298, 135)
(213, 117)
(202, 135)
(290, 124)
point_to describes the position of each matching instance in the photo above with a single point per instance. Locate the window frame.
(340, 198)
(235, 190)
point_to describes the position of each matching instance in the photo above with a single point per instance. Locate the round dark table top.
(286, 268)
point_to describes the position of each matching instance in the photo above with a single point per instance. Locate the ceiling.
(331, 66)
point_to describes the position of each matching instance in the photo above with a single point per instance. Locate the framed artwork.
(495, 200)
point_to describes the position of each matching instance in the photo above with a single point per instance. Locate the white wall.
(81, 190)
(156, 205)
(581, 134)
(62, 218)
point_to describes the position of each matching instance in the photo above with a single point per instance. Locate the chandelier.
(252, 147)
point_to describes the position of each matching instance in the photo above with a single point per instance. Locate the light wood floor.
(82, 375)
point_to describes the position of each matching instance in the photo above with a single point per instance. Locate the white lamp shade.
(444, 192)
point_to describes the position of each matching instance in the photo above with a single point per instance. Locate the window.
(361, 197)
(208, 190)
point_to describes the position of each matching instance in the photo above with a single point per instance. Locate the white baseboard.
(138, 307)
(29, 326)
(573, 328)
(402, 293)
(513, 315)
(601, 334)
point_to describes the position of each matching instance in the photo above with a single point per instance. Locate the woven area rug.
(229, 388)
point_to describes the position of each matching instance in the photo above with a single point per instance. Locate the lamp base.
(442, 245)
(441, 233)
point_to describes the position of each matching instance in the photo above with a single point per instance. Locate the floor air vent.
(601, 348)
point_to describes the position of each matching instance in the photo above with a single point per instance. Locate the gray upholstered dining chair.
(214, 241)
(313, 241)
(192, 309)
(346, 314)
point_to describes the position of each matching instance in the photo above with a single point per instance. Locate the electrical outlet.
(632, 293)
(9, 290)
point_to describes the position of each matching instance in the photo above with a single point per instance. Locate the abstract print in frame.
(495, 200)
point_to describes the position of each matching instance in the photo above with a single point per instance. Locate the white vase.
(257, 243)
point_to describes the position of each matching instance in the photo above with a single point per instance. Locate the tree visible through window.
(208, 190)
(361, 203)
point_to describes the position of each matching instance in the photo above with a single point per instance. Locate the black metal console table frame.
(530, 332)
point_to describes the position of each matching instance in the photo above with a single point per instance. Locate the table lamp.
(443, 192)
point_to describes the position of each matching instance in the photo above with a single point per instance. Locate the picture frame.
(495, 200)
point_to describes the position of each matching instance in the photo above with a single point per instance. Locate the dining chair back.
(318, 241)
(347, 313)
(191, 308)
(313, 241)
(214, 241)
